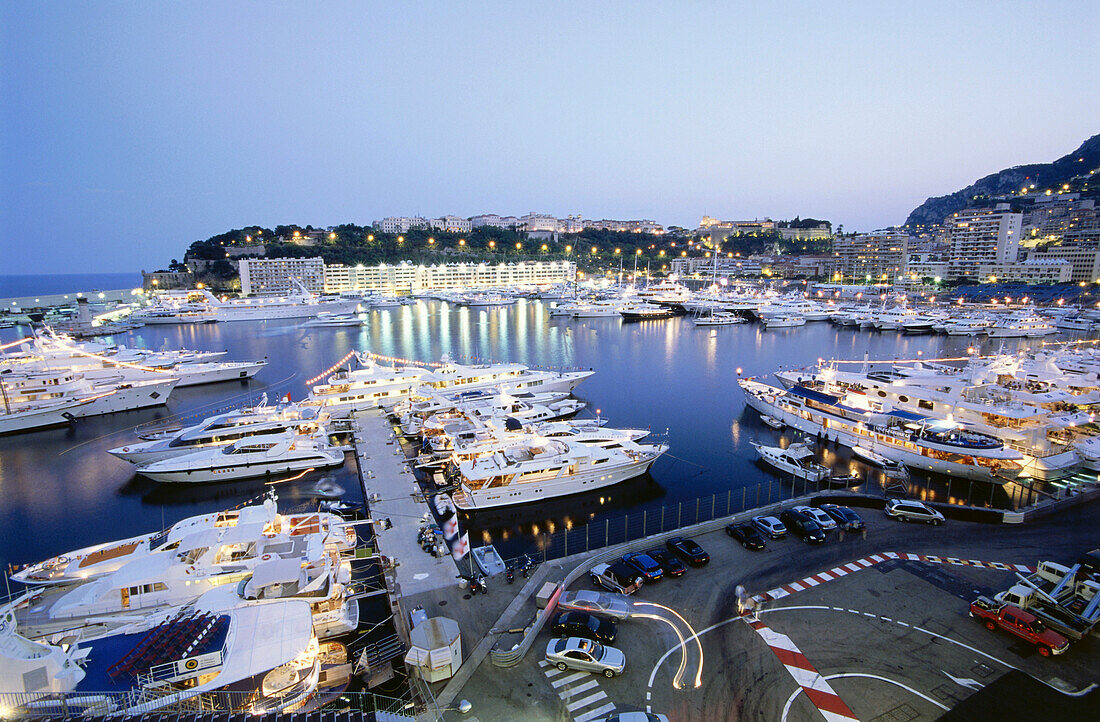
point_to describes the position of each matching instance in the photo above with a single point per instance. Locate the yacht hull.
(590, 480)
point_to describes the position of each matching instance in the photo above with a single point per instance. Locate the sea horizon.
(14, 285)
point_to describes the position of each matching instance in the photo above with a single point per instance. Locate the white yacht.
(499, 409)
(222, 430)
(784, 321)
(25, 393)
(245, 459)
(92, 562)
(543, 469)
(717, 318)
(796, 460)
(910, 438)
(1022, 324)
(894, 319)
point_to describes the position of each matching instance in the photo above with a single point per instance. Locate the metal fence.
(647, 522)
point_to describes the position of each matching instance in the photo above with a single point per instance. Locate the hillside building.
(408, 277)
(272, 276)
(876, 256)
(982, 236)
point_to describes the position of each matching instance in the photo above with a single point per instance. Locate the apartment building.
(401, 224)
(269, 276)
(409, 277)
(982, 236)
(876, 256)
(1031, 271)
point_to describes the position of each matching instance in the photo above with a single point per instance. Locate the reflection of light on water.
(735, 432)
(486, 538)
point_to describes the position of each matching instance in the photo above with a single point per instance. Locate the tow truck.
(1064, 598)
(998, 615)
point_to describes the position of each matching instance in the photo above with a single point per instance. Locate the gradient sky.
(128, 130)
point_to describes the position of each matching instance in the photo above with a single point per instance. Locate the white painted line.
(854, 611)
(595, 714)
(831, 716)
(902, 623)
(808, 581)
(885, 619)
(574, 691)
(648, 696)
(891, 555)
(863, 563)
(852, 567)
(824, 576)
(868, 614)
(1021, 567)
(977, 563)
(591, 699)
(543, 663)
(778, 593)
(568, 678)
(838, 572)
(553, 672)
(808, 678)
(796, 586)
(876, 557)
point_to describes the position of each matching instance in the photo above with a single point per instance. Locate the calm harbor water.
(59, 489)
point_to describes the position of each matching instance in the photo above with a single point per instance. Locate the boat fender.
(190, 569)
(265, 558)
(125, 449)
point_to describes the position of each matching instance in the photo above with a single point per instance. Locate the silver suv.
(905, 510)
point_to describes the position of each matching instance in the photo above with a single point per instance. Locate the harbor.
(396, 428)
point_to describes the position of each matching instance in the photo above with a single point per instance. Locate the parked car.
(688, 550)
(585, 655)
(646, 565)
(612, 606)
(823, 520)
(906, 510)
(618, 577)
(803, 526)
(1025, 625)
(669, 562)
(583, 624)
(634, 717)
(845, 518)
(770, 526)
(749, 536)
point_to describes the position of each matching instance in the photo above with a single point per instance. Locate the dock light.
(738, 370)
(370, 236)
(462, 241)
(518, 245)
(970, 350)
(400, 239)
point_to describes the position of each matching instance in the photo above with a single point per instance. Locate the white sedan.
(585, 655)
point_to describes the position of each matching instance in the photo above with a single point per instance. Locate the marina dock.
(385, 472)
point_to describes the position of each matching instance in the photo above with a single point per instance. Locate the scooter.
(509, 574)
(477, 584)
(528, 567)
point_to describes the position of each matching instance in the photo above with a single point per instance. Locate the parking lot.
(863, 627)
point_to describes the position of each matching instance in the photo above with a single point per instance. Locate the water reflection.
(59, 489)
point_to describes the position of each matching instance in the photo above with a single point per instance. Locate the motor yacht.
(543, 469)
(1021, 324)
(645, 311)
(224, 429)
(246, 458)
(796, 460)
(335, 320)
(784, 321)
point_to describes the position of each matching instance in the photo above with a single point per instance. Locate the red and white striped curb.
(845, 569)
(817, 689)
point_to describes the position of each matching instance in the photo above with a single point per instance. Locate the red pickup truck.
(1025, 625)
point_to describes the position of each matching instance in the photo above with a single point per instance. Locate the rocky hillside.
(1043, 175)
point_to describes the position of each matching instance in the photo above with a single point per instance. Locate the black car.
(688, 550)
(803, 527)
(844, 517)
(650, 570)
(668, 561)
(747, 534)
(583, 624)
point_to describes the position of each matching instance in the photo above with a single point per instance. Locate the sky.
(130, 129)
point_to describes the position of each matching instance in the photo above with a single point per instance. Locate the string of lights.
(330, 369)
(16, 343)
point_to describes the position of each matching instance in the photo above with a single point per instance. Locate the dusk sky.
(129, 130)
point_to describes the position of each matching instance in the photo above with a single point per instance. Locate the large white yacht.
(542, 468)
(1022, 324)
(71, 395)
(910, 438)
(199, 305)
(222, 430)
(245, 459)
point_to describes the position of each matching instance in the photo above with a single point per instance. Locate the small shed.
(436, 652)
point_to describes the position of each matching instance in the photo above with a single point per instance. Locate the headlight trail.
(694, 635)
(677, 681)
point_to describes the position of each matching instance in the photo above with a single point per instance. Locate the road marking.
(867, 562)
(573, 706)
(809, 681)
(568, 678)
(582, 687)
(595, 714)
(794, 695)
(965, 681)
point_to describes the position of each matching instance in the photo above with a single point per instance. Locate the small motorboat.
(326, 319)
(796, 460)
(326, 488)
(488, 560)
(721, 318)
(871, 457)
(772, 421)
(845, 480)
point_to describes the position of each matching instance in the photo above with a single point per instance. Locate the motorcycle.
(509, 574)
(477, 584)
